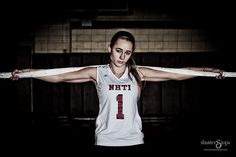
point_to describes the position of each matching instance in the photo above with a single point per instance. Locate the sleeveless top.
(118, 122)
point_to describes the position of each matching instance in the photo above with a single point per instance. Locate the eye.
(127, 52)
(119, 50)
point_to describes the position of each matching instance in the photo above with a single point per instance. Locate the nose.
(122, 56)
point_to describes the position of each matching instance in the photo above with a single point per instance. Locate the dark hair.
(123, 35)
(130, 63)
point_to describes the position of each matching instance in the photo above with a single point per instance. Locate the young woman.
(118, 127)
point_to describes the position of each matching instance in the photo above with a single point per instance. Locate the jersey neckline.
(122, 76)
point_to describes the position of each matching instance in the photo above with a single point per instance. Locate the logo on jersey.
(119, 87)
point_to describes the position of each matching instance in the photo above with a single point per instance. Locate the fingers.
(14, 74)
(220, 72)
(220, 76)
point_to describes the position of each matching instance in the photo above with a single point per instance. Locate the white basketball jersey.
(118, 122)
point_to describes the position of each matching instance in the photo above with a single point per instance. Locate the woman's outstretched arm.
(153, 74)
(83, 75)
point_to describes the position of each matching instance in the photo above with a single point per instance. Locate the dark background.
(177, 115)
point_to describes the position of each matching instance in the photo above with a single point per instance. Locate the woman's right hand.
(14, 75)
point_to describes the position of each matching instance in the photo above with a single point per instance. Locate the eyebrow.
(122, 50)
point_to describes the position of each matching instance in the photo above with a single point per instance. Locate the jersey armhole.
(97, 75)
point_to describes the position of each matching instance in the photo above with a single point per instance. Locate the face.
(121, 52)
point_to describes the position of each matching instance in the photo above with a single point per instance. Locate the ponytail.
(132, 69)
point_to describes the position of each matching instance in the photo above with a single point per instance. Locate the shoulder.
(102, 67)
(147, 71)
(141, 68)
(95, 68)
(141, 71)
(88, 70)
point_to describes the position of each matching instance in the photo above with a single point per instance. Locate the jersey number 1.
(120, 114)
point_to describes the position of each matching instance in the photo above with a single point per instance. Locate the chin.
(123, 63)
(120, 65)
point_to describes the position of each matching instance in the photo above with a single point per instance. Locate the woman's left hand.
(220, 72)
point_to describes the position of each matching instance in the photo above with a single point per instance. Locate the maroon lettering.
(119, 87)
(120, 114)
(124, 87)
(111, 87)
(129, 87)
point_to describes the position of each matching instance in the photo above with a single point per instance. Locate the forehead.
(124, 44)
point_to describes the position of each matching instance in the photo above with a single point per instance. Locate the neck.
(118, 71)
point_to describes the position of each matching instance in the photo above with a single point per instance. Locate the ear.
(109, 48)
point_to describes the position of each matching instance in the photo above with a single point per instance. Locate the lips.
(120, 62)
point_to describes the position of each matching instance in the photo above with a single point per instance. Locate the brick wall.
(59, 38)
